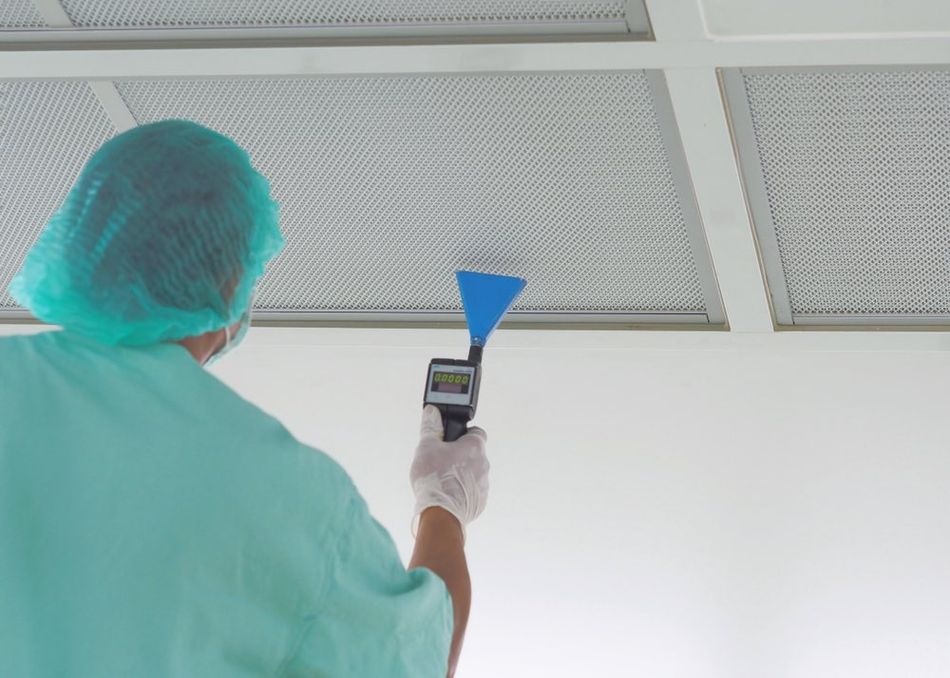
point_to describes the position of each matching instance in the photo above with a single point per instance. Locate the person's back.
(173, 544)
(152, 522)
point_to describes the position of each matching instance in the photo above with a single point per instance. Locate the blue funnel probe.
(486, 299)
(452, 385)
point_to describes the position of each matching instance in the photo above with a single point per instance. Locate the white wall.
(689, 505)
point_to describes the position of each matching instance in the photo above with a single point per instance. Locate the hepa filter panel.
(250, 13)
(47, 132)
(848, 179)
(389, 184)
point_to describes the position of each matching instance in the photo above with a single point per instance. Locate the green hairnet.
(163, 236)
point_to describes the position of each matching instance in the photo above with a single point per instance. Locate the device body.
(452, 386)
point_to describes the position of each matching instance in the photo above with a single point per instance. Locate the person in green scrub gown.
(154, 523)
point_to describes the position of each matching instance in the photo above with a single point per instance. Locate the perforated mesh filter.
(19, 14)
(47, 132)
(856, 169)
(252, 13)
(389, 184)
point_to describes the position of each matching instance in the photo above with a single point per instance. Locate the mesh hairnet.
(163, 236)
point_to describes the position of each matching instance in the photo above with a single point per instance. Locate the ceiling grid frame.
(748, 155)
(56, 16)
(53, 13)
(638, 19)
(707, 142)
(686, 58)
(97, 61)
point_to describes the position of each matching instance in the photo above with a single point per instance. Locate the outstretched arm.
(440, 547)
(450, 481)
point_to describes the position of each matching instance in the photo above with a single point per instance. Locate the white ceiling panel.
(389, 184)
(848, 177)
(820, 17)
(47, 132)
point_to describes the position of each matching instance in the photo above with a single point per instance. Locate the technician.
(154, 523)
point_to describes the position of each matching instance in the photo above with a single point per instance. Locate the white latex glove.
(451, 475)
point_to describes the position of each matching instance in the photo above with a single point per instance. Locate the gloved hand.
(451, 475)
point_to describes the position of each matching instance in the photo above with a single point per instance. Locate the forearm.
(440, 547)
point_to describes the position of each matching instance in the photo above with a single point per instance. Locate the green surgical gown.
(154, 523)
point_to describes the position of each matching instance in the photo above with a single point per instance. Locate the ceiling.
(331, 19)
(641, 165)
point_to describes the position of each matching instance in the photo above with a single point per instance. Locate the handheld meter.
(452, 386)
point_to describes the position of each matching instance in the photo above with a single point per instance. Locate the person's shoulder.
(24, 342)
(256, 435)
(17, 350)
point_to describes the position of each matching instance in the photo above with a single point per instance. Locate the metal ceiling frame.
(109, 62)
(688, 56)
(53, 13)
(666, 117)
(521, 319)
(756, 195)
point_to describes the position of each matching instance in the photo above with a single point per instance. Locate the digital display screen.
(450, 382)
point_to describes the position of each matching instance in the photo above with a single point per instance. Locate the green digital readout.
(450, 382)
(450, 378)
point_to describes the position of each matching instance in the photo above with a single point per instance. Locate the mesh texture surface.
(389, 184)
(20, 14)
(856, 166)
(48, 131)
(250, 13)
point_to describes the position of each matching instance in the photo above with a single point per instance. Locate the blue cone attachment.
(486, 299)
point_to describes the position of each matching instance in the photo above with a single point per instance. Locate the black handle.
(455, 428)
